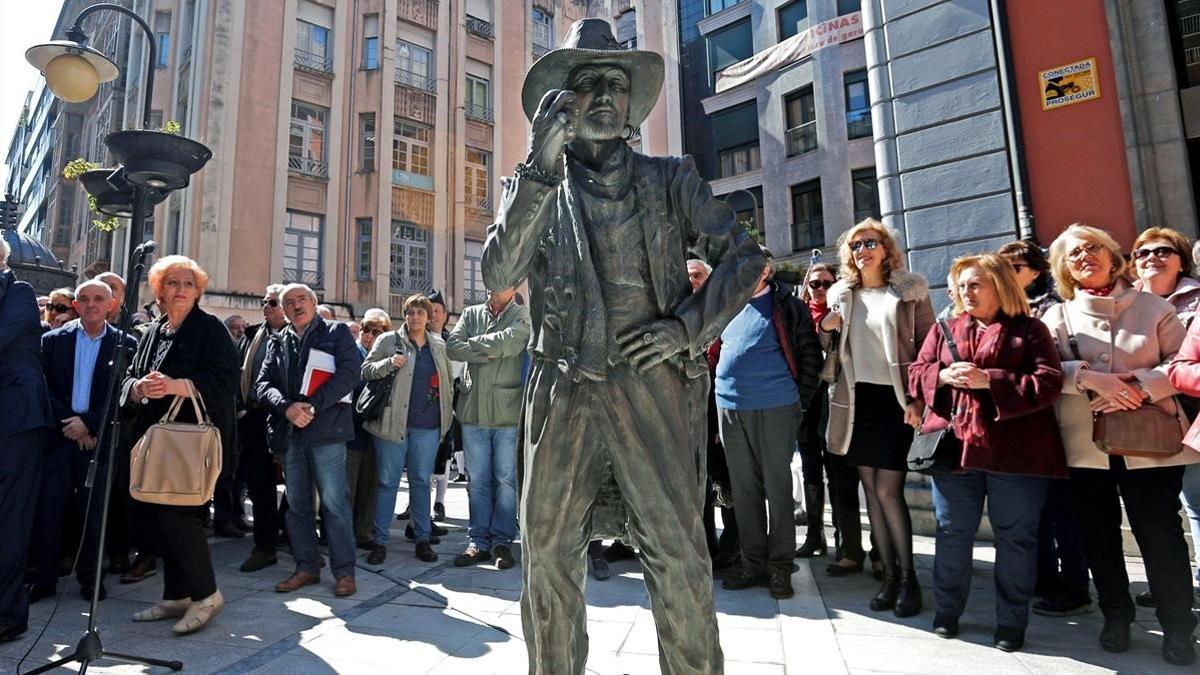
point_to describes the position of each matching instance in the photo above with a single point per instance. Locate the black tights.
(891, 524)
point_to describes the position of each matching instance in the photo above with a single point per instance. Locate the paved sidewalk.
(414, 617)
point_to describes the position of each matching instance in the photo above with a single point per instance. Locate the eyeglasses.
(370, 331)
(1079, 252)
(869, 244)
(820, 283)
(59, 309)
(270, 303)
(1020, 266)
(1161, 252)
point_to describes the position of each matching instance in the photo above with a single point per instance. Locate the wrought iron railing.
(477, 26)
(1189, 25)
(314, 279)
(539, 51)
(414, 80)
(474, 296)
(186, 58)
(801, 139)
(317, 63)
(483, 113)
(308, 166)
(478, 202)
(858, 123)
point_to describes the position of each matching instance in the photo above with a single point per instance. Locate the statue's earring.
(628, 132)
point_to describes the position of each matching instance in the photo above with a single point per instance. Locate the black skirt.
(880, 438)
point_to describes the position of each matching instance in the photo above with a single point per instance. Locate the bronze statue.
(617, 390)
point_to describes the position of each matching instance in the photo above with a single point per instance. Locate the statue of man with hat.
(617, 390)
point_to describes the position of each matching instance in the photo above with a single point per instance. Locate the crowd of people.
(1025, 382)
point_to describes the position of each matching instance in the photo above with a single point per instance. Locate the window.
(302, 249)
(312, 47)
(793, 19)
(162, 39)
(362, 251)
(543, 31)
(808, 227)
(858, 105)
(174, 231)
(848, 6)
(414, 66)
(737, 144)
(866, 194)
(411, 165)
(715, 6)
(370, 46)
(478, 99)
(478, 179)
(801, 111)
(366, 142)
(474, 291)
(306, 140)
(728, 46)
(409, 259)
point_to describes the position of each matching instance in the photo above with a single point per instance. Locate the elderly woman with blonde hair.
(1115, 343)
(183, 345)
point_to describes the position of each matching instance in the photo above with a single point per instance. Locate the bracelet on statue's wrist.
(535, 173)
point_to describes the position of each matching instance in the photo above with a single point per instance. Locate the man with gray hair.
(117, 284)
(236, 326)
(310, 369)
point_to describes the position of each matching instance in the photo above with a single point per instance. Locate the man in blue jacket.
(311, 425)
(77, 360)
(23, 425)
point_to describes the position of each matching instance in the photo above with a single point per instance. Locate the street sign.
(1066, 85)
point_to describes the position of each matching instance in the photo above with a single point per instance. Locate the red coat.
(1015, 414)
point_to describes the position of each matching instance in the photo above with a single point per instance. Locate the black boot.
(886, 597)
(814, 540)
(909, 601)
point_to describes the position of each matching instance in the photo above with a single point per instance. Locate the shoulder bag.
(939, 450)
(177, 463)
(1148, 431)
(831, 368)
(377, 394)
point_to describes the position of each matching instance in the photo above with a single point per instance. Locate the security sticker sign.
(1073, 83)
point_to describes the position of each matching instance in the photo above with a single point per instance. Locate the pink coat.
(1127, 332)
(1184, 373)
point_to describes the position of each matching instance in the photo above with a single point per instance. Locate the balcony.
(477, 26)
(308, 166)
(408, 78)
(186, 59)
(314, 63)
(421, 12)
(478, 202)
(539, 51)
(478, 112)
(858, 123)
(808, 234)
(801, 139)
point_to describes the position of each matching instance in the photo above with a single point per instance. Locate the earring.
(628, 132)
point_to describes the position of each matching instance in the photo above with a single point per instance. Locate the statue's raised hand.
(553, 127)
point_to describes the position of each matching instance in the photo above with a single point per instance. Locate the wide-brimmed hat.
(592, 41)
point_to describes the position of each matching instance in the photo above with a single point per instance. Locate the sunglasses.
(869, 244)
(270, 303)
(1020, 266)
(820, 283)
(371, 331)
(59, 309)
(1161, 252)
(1079, 252)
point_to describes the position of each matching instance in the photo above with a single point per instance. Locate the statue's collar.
(612, 179)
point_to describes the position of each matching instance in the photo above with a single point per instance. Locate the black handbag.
(376, 394)
(936, 451)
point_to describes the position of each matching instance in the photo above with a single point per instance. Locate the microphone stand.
(90, 647)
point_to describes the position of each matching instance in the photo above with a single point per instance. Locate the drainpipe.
(1012, 121)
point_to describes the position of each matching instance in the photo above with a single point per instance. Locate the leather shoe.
(1009, 639)
(199, 613)
(908, 603)
(945, 627)
(439, 511)
(425, 552)
(258, 560)
(841, 569)
(779, 583)
(1179, 649)
(504, 557)
(743, 578)
(10, 632)
(228, 530)
(143, 566)
(619, 551)
(600, 570)
(1114, 637)
(39, 591)
(1145, 599)
(345, 586)
(377, 555)
(297, 581)
(472, 556)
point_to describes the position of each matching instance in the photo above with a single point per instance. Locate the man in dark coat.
(311, 422)
(24, 423)
(77, 360)
(618, 381)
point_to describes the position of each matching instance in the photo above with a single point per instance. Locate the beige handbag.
(177, 463)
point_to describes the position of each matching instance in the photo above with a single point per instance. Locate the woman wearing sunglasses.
(882, 313)
(1115, 344)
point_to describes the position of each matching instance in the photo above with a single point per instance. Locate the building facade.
(790, 145)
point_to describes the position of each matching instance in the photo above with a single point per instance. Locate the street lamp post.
(152, 164)
(753, 200)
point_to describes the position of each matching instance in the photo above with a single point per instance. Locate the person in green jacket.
(491, 339)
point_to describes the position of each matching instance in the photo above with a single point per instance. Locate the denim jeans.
(1191, 504)
(324, 465)
(492, 456)
(1014, 509)
(416, 453)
